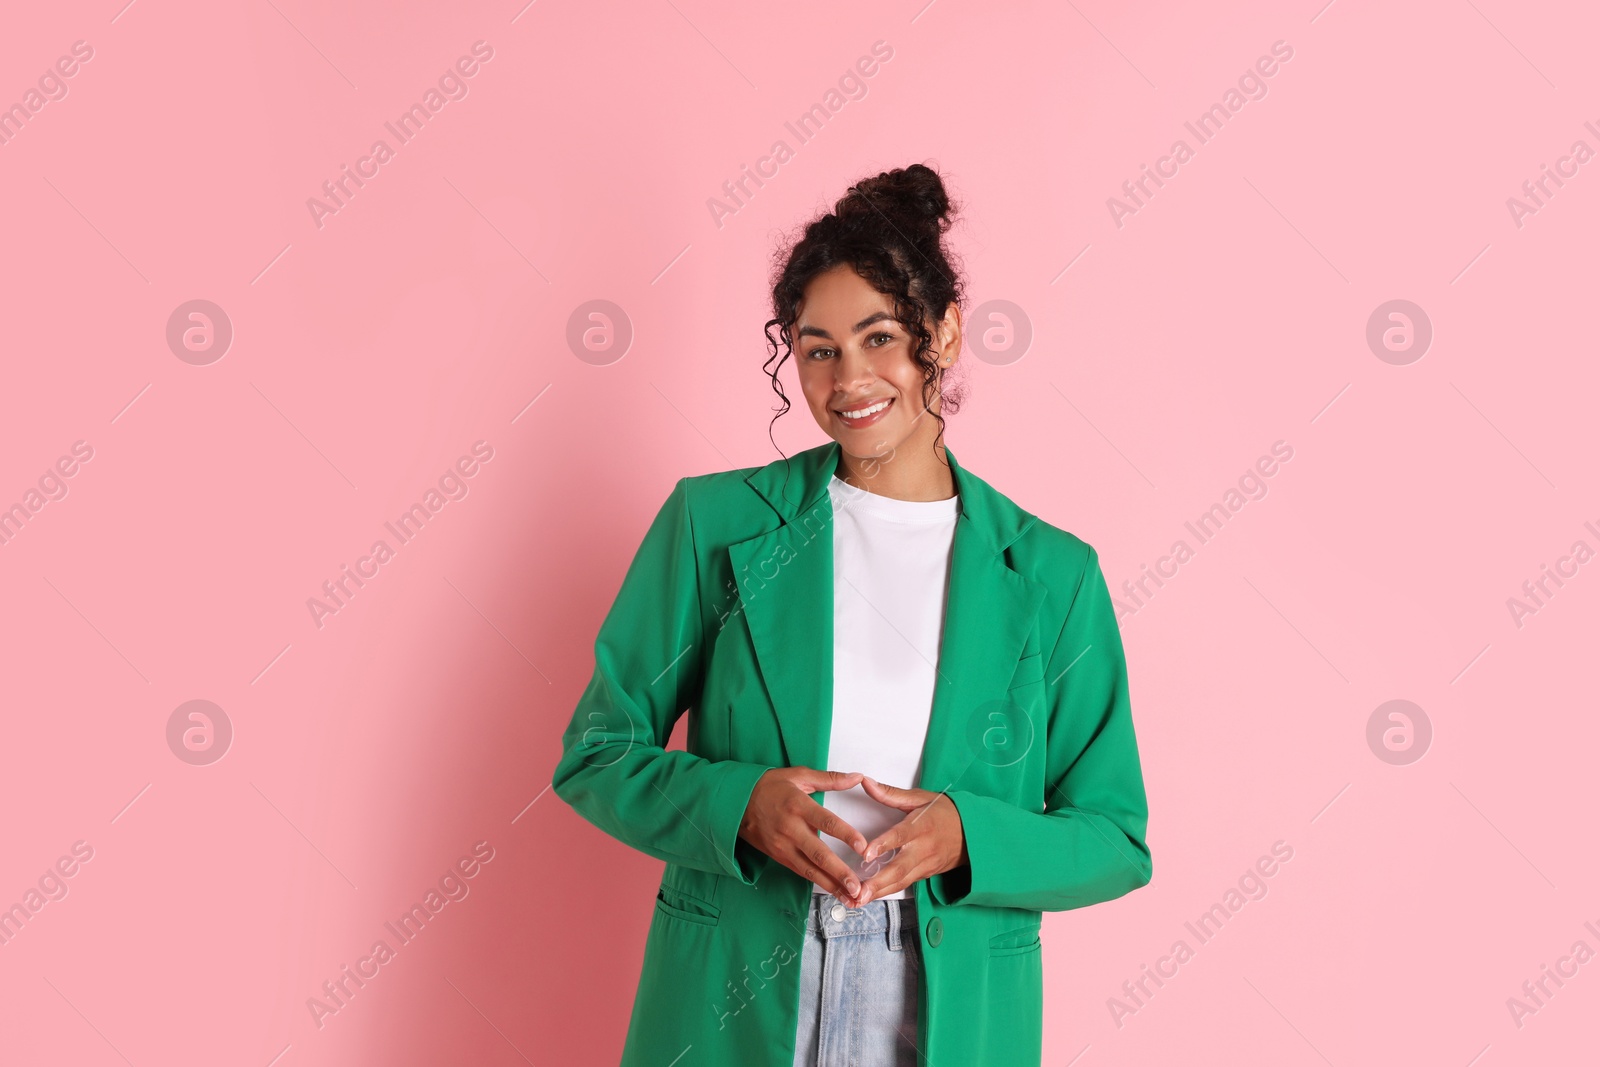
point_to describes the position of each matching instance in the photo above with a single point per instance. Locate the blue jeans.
(860, 983)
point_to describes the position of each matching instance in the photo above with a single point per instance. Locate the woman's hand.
(930, 839)
(781, 820)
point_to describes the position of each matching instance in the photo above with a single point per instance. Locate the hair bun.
(913, 194)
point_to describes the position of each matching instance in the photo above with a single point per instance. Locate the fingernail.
(852, 886)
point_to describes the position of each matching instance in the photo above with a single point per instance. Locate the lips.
(874, 407)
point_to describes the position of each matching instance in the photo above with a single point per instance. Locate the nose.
(852, 371)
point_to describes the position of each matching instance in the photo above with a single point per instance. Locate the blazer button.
(935, 930)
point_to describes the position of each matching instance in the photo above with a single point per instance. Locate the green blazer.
(727, 612)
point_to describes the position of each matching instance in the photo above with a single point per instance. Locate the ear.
(950, 336)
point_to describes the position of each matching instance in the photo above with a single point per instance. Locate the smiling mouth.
(866, 414)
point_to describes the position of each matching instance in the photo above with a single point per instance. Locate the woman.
(909, 731)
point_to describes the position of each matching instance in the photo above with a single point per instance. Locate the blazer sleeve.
(649, 661)
(1087, 844)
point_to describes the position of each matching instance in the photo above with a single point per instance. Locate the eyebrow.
(817, 331)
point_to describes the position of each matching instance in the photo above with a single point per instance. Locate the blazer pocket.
(1030, 669)
(675, 903)
(1015, 942)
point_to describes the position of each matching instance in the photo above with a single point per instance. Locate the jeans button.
(837, 911)
(935, 930)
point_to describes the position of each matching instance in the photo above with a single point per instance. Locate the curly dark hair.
(890, 230)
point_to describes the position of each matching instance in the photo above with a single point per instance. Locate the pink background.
(432, 310)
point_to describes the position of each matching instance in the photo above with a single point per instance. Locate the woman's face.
(852, 356)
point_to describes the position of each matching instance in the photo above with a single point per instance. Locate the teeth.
(864, 412)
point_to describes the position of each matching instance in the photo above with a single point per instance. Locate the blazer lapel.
(988, 614)
(785, 582)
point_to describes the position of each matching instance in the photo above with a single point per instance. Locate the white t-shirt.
(891, 569)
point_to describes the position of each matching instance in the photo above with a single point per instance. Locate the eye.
(819, 353)
(887, 338)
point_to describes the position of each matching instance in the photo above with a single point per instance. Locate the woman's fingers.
(784, 821)
(894, 796)
(893, 877)
(831, 824)
(890, 839)
(841, 880)
(817, 863)
(831, 872)
(811, 780)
